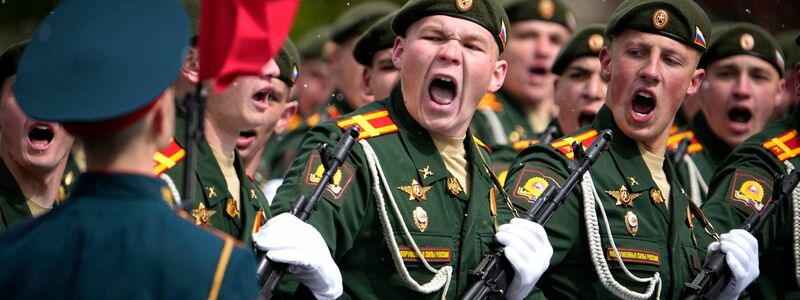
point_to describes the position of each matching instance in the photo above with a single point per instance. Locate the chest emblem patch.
(623, 197)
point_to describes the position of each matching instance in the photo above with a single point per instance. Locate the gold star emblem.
(623, 197)
(202, 216)
(632, 181)
(252, 193)
(425, 172)
(415, 191)
(211, 192)
(232, 208)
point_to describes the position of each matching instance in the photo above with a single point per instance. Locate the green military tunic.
(651, 234)
(451, 227)
(101, 232)
(743, 185)
(211, 190)
(13, 206)
(706, 152)
(500, 120)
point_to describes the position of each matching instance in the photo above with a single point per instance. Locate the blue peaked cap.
(97, 60)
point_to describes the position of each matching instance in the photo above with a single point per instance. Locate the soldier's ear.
(397, 52)
(498, 76)
(289, 110)
(605, 64)
(695, 82)
(190, 65)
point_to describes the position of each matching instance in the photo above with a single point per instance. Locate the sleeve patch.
(749, 191)
(339, 183)
(531, 184)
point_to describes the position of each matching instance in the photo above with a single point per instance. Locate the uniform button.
(466, 215)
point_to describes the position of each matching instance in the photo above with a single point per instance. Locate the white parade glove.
(741, 250)
(289, 240)
(528, 251)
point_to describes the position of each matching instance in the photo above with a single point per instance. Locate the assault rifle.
(716, 273)
(492, 275)
(269, 272)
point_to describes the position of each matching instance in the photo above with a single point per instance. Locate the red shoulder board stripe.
(481, 144)
(168, 157)
(784, 146)
(490, 101)
(370, 124)
(521, 145)
(564, 145)
(676, 138)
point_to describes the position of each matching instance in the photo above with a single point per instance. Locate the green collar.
(625, 152)
(423, 152)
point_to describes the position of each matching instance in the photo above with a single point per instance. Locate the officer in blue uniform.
(115, 237)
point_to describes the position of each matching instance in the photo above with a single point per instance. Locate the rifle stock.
(269, 273)
(492, 274)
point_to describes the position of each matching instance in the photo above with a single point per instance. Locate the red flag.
(237, 37)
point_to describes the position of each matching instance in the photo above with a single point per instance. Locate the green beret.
(586, 42)
(789, 46)
(9, 60)
(288, 61)
(544, 10)
(378, 37)
(489, 14)
(312, 44)
(358, 18)
(680, 20)
(747, 39)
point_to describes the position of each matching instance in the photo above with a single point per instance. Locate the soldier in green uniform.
(579, 90)
(115, 237)
(373, 50)
(413, 208)
(629, 231)
(524, 106)
(740, 92)
(313, 89)
(33, 156)
(225, 197)
(579, 93)
(743, 185)
(251, 143)
(345, 69)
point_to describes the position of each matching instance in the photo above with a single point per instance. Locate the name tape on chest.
(371, 124)
(634, 256)
(431, 254)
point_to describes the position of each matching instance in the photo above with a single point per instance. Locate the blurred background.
(18, 18)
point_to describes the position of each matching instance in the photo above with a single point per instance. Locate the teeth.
(443, 78)
(42, 127)
(646, 95)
